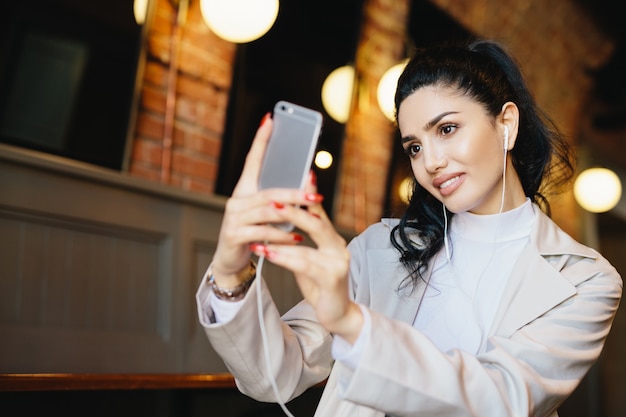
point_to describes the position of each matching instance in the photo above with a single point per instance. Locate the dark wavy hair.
(485, 72)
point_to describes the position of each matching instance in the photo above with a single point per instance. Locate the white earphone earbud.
(506, 138)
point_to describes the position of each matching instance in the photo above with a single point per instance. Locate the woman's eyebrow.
(436, 119)
(429, 125)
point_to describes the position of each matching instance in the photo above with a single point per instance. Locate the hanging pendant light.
(597, 189)
(337, 93)
(239, 21)
(140, 9)
(387, 89)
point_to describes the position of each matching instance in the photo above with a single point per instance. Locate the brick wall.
(555, 43)
(368, 141)
(202, 66)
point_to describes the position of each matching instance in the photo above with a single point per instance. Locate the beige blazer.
(550, 327)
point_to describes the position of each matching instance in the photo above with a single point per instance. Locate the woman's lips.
(449, 184)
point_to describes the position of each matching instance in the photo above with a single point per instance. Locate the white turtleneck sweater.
(464, 292)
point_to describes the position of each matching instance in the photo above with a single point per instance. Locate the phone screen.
(291, 146)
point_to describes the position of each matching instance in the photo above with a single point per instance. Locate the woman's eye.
(413, 149)
(447, 129)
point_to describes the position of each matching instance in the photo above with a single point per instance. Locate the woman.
(474, 303)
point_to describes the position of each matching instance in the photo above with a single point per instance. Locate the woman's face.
(456, 152)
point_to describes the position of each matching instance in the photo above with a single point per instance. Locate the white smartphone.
(291, 148)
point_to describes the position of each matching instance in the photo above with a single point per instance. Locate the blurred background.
(124, 125)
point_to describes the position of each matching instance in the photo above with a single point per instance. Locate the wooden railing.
(79, 382)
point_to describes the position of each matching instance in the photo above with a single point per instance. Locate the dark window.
(67, 77)
(306, 43)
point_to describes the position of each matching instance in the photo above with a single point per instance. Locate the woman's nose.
(434, 159)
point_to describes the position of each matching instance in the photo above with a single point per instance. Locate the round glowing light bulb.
(405, 188)
(337, 93)
(323, 159)
(387, 89)
(597, 189)
(140, 9)
(239, 21)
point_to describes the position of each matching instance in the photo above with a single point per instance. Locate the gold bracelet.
(233, 294)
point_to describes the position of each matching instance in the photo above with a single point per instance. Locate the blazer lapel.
(535, 287)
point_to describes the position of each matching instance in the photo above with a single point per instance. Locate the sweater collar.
(510, 225)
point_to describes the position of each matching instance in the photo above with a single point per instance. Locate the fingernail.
(278, 205)
(258, 248)
(297, 237)
(313, 178)
(316, 198)
(261, 250)
(264, 119)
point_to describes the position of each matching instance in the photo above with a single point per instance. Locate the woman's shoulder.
(376, 235)
(573, 258)
(379, 235)
(550, 239)
(383, 227)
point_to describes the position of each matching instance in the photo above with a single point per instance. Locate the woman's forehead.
(428, 102)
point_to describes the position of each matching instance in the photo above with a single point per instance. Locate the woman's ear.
(509, 122)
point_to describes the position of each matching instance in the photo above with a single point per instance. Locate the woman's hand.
(232, 255)
(322, 271)
(247, 215)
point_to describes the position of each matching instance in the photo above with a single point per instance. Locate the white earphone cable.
(266, 349)
(503, 180)
(495, 238)
(445, 234)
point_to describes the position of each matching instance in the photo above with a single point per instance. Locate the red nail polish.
(278, 205)
(264, 119)
(258, 248)
(261, 249)
(316, 198)
(297, 237)
(313, 178)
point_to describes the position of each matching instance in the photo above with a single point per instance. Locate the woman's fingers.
(248, 180)
(312, 221)
(237, 230)
(321, 271)
(265, 206)
(311, 184)
(321, 274)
